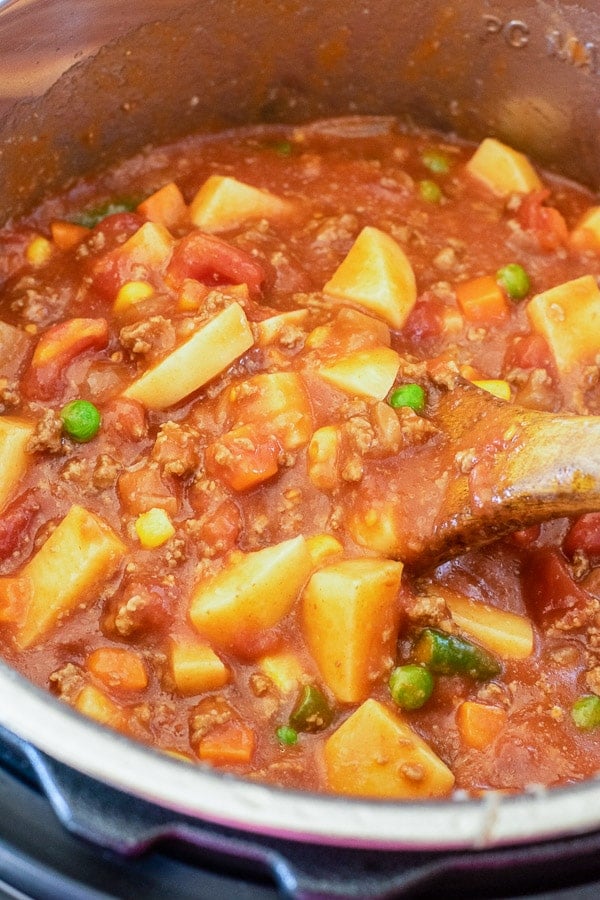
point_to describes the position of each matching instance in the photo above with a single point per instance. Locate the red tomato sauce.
(223, 567)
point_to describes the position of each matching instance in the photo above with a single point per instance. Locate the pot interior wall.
(530, 76)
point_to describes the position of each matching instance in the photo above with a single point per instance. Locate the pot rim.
(110, 758)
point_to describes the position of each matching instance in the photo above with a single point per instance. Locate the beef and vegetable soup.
(224, 458)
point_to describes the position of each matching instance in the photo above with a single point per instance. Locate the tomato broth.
(219, 374)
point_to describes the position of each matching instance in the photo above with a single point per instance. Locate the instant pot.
(85, 812)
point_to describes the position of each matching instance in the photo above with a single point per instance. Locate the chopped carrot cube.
(243, 458)
(118, 668)
(479, 724)
(231, 743)
(481, 299)
(67, 234)
(165, 206)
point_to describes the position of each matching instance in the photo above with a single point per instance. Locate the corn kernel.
(154, 528)
(39, 251)
(130, 293)
(495, 386)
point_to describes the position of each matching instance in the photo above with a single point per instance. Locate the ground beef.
(47, 436)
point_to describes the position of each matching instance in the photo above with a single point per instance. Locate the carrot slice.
(231, 743)
(481, 299)
(67, 234)
(118, 668)
(479, 724)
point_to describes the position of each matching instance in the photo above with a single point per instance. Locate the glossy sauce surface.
(292, 445)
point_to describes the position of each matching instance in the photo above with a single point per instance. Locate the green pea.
(411, 395)
(430, 191)
(411, 686)
(81, 420)
(514, 280)
(287, 735)
(585, 712)
(436, 162)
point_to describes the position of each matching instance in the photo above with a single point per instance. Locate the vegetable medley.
(218, 383)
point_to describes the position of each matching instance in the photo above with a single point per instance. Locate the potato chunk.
(276, 402)
(568, 317)
(377, 276)
(251, 594)
(507, 634)
(502, 169)
(366, 373)
(379, 528)
(80, 555)
(224, 202)
(196, 668)
(201, 358)
(150, 246)
(375, 753)
(14, 436)
(350, 619)
(586, 234)
(284, 670)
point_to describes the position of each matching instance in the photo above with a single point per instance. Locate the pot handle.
(131, 827)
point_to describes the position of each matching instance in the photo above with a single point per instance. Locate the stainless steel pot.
(85, 83)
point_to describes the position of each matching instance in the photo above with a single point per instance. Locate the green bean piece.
(448, 654)
(411, 686)
(81, 420)
(286, 735)
(89, 218)
(411, 395)
(312, 711)
(430, 191)
(436, 162)
(514, 280)
(585, 712)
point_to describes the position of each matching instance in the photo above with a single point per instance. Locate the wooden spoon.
(495, 468)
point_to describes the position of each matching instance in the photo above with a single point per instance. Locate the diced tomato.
(15, 520)
(548, 586)
(243, 458)
(528, 351)
(145, 488)
(124, 419)
(115, 266)
(525, 537)
(221, 528)
(544, 222)
(113, 230)
(584, 534)
(57, 348)
(425, 325)
(212, 261)
(142, 607)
